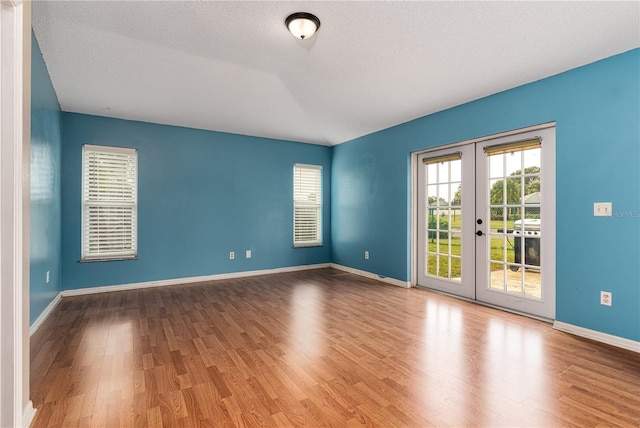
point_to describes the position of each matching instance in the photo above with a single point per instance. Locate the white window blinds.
(109, 203)
(307, 205)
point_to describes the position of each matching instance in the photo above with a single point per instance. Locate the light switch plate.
(602, 209)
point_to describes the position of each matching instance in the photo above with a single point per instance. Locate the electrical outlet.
(602, 209)
(366, 255)
(247, 254)
(232, 255)
(47, 277)
(606, 298)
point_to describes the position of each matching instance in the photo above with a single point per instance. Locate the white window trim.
(130, 255)
(318, 242)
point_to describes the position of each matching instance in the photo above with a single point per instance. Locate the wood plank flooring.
(314, 349)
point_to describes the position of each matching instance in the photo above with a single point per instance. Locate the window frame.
(318, 242)
(129, 254)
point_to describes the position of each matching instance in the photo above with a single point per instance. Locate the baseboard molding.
(45, 314)
(28, 414)
(193, 279)
(388, 280)
(598, 336)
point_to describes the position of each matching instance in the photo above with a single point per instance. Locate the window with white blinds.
(307, 205)
(109, 203)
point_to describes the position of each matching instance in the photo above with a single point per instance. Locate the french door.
(446, 220)
(486, 226)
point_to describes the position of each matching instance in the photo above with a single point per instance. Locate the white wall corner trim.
(45, 314)
(188, 280)
(15, 95)
(388, 280)
(28, 414)
(598, 336)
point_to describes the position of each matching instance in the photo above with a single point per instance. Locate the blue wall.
(201, 195)
(597, 114)
(46, 148)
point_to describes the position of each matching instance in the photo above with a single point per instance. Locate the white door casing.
(16, 409)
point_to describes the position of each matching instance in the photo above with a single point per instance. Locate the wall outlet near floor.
(48, 277)
(232, 255)
(602, 209)
(606, 298)
(366, 255)
(247, 254)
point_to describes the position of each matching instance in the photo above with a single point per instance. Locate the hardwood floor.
(318, 348)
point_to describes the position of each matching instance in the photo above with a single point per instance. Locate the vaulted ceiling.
(232, 66)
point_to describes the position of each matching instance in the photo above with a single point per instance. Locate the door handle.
(479, 233)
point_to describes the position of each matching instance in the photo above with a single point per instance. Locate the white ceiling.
(233, 66)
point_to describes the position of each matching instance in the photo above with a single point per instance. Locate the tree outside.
(531, 179)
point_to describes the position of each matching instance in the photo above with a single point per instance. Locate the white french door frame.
(548, 208)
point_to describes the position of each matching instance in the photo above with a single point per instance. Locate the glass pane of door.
(444, 219)
(514, 230)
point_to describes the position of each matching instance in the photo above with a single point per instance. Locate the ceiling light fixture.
(302, 24)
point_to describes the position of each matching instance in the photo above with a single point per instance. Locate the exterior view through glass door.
(486, 221)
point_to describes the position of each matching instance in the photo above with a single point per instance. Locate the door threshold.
(488, 305)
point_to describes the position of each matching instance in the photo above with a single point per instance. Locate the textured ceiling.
(233, 66)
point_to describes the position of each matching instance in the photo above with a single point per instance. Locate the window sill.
(112, 259)
(307, 244)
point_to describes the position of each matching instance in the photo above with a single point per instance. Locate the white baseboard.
(43, 316)
(28, 414)
(193, 279)
(392, 281)
(598, 336)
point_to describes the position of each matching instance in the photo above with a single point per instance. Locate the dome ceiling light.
(302, 24)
